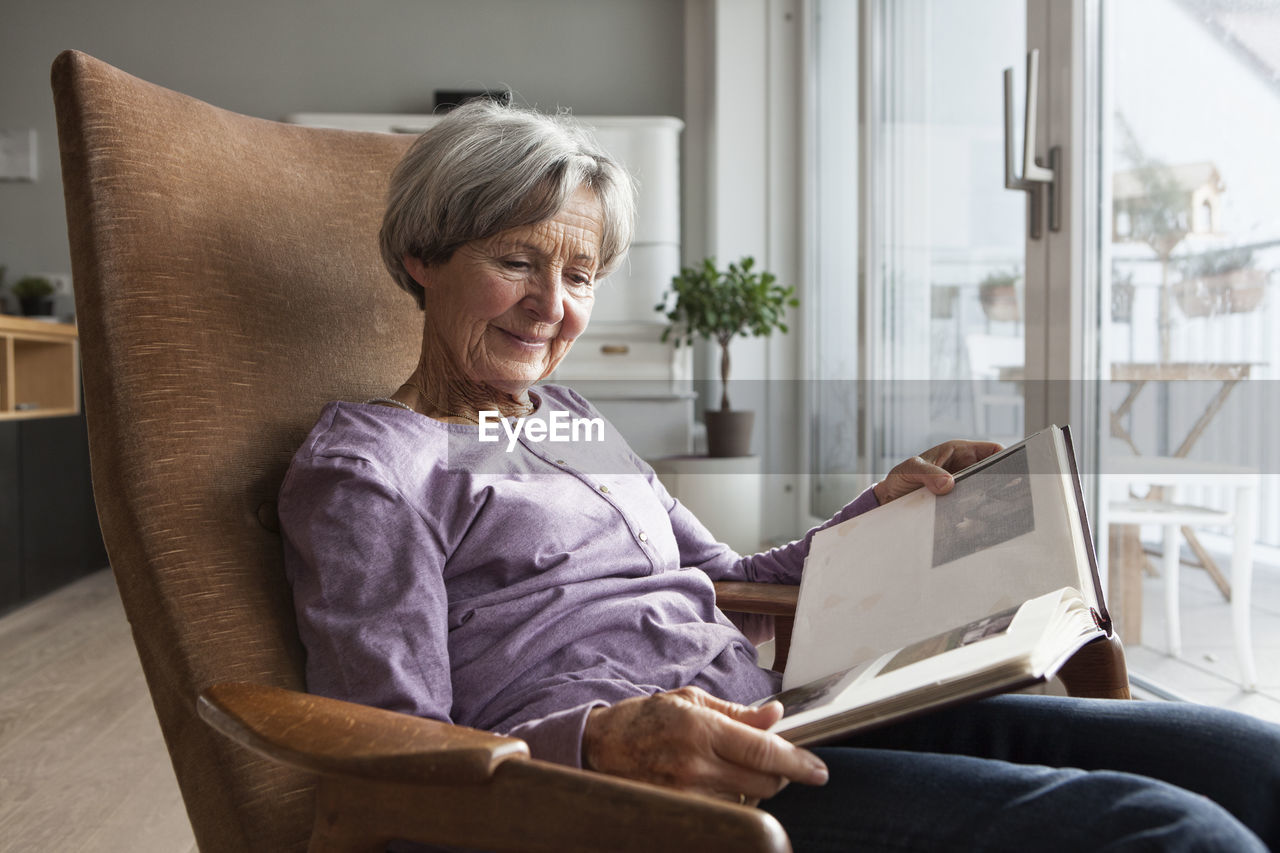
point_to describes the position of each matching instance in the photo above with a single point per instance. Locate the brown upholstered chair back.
(228, 283)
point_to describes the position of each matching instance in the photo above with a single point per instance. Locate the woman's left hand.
(933, 468)
(691, 740)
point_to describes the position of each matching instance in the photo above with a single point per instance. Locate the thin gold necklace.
(391, 402)
(529, 409)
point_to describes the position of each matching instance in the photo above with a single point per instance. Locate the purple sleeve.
(778, 565)
(556, 737)
(782, 565)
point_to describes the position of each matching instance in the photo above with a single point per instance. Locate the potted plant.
(719, 305)
(998, 293)
(1221, 282)
(33, 293)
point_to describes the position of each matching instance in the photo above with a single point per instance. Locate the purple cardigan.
(442, 576)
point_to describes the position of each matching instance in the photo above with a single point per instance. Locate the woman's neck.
(438, 390)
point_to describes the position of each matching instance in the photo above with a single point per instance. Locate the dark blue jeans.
(1025, 773)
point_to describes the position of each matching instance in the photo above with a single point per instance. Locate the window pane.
(944, 343)
(1194, 245)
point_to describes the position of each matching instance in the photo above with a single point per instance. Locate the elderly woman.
(556, 592)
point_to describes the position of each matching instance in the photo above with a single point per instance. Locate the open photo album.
(931, 600)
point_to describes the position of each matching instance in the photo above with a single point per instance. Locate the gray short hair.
(488, 167)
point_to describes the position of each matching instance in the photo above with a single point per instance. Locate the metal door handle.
(1035, 173)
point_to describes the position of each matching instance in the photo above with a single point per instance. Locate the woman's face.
(509, 307)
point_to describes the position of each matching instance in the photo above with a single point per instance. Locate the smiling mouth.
(531, 342)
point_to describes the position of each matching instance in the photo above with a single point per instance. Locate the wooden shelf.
(39, 369)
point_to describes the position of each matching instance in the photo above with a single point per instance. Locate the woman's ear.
(416, 268)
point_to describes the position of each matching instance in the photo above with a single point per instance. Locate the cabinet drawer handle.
(614, 349)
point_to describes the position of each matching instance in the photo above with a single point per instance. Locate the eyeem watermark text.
(559, 426)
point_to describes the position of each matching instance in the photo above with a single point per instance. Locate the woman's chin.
(515, 384)
(514, 376)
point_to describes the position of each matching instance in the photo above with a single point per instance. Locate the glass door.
(1145, 317)
(936, 331)
(1189, 111)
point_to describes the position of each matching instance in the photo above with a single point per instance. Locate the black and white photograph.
(986, 508)
(811, 695)
(988, 626)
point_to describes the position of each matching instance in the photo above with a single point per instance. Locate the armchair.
(228, 284)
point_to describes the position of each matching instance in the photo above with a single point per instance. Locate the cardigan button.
(643, 536)
(604, 489)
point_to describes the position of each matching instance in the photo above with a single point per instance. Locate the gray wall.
(269, 58)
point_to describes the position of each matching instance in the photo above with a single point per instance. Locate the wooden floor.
(83, 766)
(82, 763)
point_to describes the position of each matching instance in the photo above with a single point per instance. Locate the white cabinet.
(630, 293)
(641, 384)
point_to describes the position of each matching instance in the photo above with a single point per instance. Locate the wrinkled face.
(509, 307)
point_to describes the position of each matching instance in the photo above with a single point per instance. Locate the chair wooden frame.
(376, 767)
(227, 284)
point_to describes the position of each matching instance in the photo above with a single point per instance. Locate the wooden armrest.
(533, 805)
(767, 599)
(386, 776)
(770, 599)
(330, 736)
(1097, 671)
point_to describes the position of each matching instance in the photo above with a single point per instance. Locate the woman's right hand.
(689, 739)
(933, 469)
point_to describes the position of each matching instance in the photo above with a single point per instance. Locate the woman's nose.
(546, 298)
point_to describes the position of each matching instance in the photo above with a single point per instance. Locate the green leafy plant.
(720, 304)
(1160, 216)
(32, 287)
(998, 293)
(1000, 278)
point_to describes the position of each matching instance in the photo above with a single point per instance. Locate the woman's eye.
(580, 279)
(514, 264)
